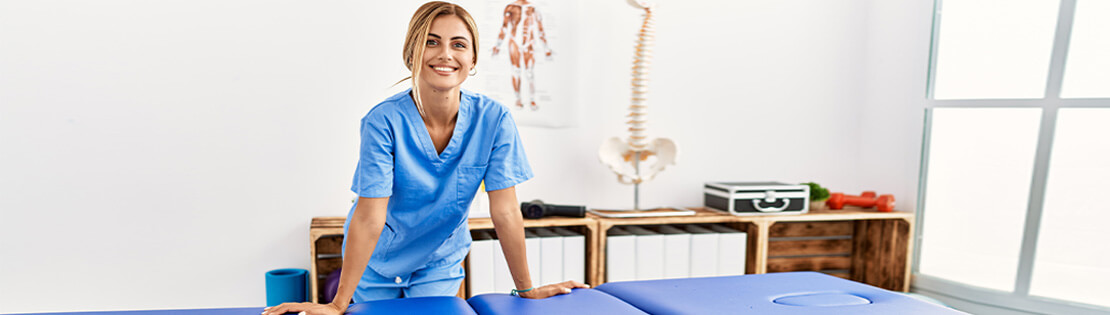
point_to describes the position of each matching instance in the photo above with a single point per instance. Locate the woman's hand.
(553, 290)
(307, 308)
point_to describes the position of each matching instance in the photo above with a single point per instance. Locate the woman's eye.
(460, 45)
(431, 42)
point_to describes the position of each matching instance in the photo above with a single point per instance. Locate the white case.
(703, 251)
(574, 255)
(502, 278)
(481, 264)
(732, 256)
(676, 252)
(649, 253)
(620, 255)
(532, 244)
(551, 257)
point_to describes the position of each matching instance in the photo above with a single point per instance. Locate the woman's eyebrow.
(452, 38)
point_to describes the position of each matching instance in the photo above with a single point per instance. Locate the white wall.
(165, 154)
(892, 117)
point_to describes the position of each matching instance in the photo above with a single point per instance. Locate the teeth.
(445, 69)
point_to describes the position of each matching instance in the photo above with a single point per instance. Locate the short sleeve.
(508, 165)
(374, 174)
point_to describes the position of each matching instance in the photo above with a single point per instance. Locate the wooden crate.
(325, 249)
(824, 246)
(881, 253)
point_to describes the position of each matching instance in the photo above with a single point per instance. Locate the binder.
(676, 252)
(502, 278)
(703, 251)
(532, 247)
(620, 255)
(551, 257)
(574, 255)
(649, 253)
(732, 256)
(481, 274)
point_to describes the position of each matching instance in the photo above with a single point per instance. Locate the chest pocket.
(470, 177)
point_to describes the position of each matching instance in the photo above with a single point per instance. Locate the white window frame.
(1019, 300)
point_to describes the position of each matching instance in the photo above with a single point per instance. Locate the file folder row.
(554, 255)
(674, 251)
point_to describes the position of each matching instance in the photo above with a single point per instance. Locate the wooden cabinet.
(326, 241)
(857, 244)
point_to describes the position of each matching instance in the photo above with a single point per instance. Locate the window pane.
(994, 48)
(977, 187)
(1087, 74)
(1073, 258)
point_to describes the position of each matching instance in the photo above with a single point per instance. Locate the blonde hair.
(417, 37)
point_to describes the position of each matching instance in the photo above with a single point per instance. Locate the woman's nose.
(444, 54)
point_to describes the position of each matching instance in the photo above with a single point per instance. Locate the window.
(1016, 164)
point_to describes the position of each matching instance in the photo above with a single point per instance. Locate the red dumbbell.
(867, 199)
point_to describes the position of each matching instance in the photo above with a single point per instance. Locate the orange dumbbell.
(867, 199)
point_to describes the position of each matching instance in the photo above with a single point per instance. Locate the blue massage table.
(773, 293)
(417, 306)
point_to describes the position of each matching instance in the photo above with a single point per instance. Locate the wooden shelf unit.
(857, 244)
(326, 245)
(325, 237)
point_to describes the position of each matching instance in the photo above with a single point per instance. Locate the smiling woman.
(424, 153)
(429, 25)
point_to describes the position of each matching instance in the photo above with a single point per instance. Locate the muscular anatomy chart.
(522, 24)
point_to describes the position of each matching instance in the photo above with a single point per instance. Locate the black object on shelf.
(536, 209)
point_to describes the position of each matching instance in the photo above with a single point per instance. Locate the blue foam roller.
(286, 285)
(774, 293)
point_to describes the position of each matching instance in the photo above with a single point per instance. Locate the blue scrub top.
(430, 194)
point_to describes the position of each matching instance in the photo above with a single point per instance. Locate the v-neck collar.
(429, 147)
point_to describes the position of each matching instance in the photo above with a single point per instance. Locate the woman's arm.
(362, 236)
(507, 221)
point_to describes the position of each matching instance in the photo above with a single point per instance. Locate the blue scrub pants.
(432, 280)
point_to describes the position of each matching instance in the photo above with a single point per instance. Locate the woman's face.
(448, 55)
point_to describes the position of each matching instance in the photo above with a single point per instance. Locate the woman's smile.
(444, 70)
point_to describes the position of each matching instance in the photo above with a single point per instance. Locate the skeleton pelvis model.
(639, 159)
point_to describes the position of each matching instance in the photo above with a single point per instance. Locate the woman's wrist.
(340, 305)
(519, 292)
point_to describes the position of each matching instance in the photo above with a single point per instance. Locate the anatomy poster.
(526, 58)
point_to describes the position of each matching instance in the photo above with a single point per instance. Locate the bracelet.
(516, 292)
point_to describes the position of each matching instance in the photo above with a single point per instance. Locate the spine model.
(641, 62)
(638, 159)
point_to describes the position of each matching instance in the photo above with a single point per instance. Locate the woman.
(424, 153)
